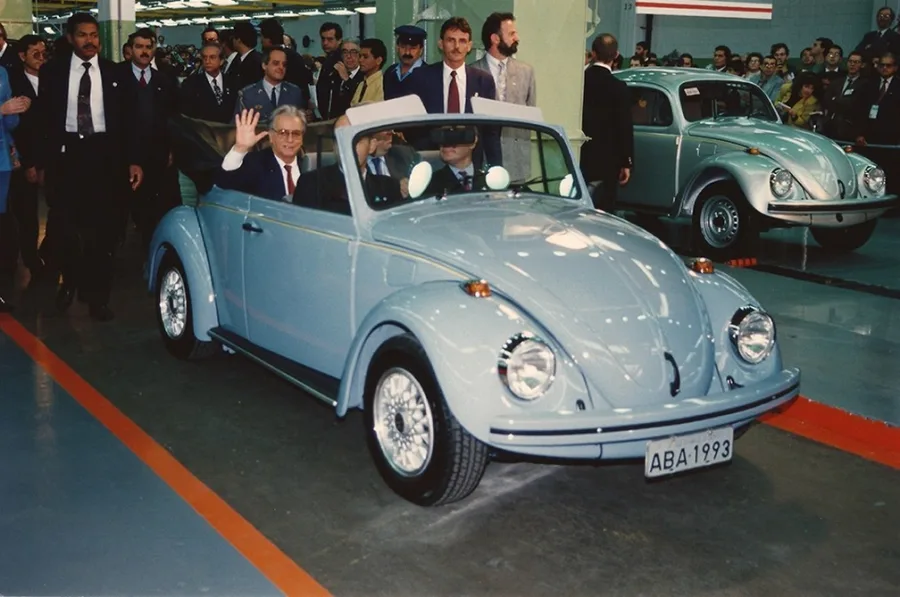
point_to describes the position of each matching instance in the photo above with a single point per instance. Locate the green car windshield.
(462, 160)
(701, 100)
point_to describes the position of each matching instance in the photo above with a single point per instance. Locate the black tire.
(457, 460)
(723, 224)
(181, 343)
(844, 240)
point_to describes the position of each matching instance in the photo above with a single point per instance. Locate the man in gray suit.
(273, 91)
(515, 84)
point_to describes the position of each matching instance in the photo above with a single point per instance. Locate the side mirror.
(497, 178)
(419, 179)
(567, 186)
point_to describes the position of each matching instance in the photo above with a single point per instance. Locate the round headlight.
(875, 179)
(526, 366)
(753, 334)
(781, 182)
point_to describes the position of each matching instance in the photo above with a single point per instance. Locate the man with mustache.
(515, 84)
(87, 164)
(410, 47)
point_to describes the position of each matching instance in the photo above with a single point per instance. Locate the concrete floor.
(787, 517)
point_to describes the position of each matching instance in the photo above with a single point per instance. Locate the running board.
(320, 386)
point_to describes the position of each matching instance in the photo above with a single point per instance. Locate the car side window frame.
(651, 100)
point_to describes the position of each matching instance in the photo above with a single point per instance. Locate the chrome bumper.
(645, 423)
(833, 206)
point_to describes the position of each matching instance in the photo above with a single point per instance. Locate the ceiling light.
(169, 23)
(366, 10)
(196, 4)
(240, 18)
(340, 12)
(222, 2)
(219, 20)
(138, 6)
(154, 23)
(311, 13)
(175, 5)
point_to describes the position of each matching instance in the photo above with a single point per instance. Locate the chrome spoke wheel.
(173, 304)
(720, 221)
(404, 425)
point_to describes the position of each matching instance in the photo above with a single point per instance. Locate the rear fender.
(462, 337)
(179, 232)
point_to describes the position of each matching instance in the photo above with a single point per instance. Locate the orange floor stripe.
(281, 571)
(870, 439)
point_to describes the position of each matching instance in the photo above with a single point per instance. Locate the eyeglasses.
(350, 52)
(887, 65)
(288, 133)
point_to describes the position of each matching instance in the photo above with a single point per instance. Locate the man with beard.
(515, 84)
(87, 163)
(410, 47)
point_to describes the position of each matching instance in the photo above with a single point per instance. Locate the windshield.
(409, 163)
(719, 99)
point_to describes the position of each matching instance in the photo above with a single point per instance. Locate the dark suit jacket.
(149, 140)
(27, 135)
(445, 181)
(10, 59)
(53, 98)
(884, 130)
(343, 93)
(328, 86)
(325, 189)
(255, 97)
(258, 175)
(873, 44)
(606, 119)
(299, 74)
(249, 71)
(197, 99)
(394, 87)
(839, 106)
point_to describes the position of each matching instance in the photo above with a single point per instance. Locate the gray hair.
(288, 110)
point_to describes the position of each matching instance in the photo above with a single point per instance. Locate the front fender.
(750, 172)
(179, 231)
(462, 337)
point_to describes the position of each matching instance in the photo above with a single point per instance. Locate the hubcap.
(720, 222)
(173, 304)
(403, 422)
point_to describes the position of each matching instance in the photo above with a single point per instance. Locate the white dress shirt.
(34, 80)
(98, 114)
(460, 83)
(268, 87)
(234, 159)
(137, 72)
(218, 79)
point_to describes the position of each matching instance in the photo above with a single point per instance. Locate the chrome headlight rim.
(874, 173)
(523, 341)
(737, 326)
(780, 176)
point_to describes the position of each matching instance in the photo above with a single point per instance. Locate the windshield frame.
(740, 84)
(348, 136)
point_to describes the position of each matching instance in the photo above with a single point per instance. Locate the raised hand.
(246, 136)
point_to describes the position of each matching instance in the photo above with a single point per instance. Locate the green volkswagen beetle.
(710, 146)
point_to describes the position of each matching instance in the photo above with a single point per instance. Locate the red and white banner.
(705, 8)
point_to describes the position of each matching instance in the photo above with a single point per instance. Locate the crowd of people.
(89, 132)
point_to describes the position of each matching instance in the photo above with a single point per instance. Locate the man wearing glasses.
(879, 106)
(272, 172)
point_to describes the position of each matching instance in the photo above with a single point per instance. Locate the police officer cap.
(410, 34)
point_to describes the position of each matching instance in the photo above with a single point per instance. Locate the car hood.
(616, 298)
(815, 161)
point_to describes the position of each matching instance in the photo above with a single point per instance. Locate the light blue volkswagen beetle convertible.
(469, 316)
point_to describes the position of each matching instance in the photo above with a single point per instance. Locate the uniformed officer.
(410, 49)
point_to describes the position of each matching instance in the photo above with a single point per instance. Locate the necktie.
(290, 180)
(217, 91)
(883, 90)
(85, 119)
(274, 99)
(466, 181)
(143, 81)
(362, 90)
(379, 167)
(501, 83)
(453, 95)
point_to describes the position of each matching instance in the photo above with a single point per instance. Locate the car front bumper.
(832, 212)
(623, 433)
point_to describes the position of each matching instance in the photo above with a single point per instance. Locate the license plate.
(685, 452)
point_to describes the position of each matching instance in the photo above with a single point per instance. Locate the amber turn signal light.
(848, 149)
(702, 266)
(477, 288)
(753, 151)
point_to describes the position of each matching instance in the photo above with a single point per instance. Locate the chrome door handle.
(251, 227)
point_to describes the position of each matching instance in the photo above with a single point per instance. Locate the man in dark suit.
(87, 162)
(878, 106)
(410, 47)
(449, 86)
(459, 174)
(272, 91)
(838, 100)
(208, 95)
(608, 157)
(248, 68)
(151, 99)
(884, 39)
(23, 191)
(325, 188)
(329, 83)
(273, 172)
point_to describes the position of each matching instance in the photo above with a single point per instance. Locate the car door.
(222, 216)
(297, 273)
(653, 182)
